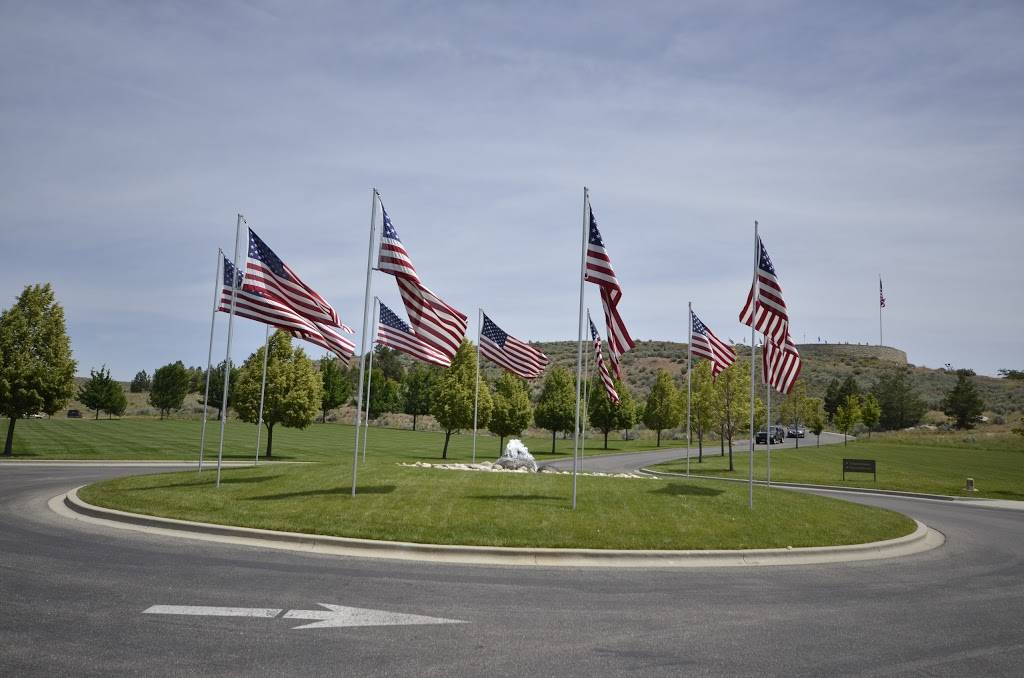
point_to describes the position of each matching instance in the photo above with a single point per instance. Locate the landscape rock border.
(493, 467)
(72, 506)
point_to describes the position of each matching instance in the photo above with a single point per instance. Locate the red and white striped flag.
(267, 274)
(598, 270)
(435, 321)
(506, 351)
(765, 309)
(256, 306)
(602, 369)
(881, 294)
(704, 344)
(780, 364)
(394, 333)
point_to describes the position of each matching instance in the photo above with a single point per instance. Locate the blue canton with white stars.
(389, 228)
(259, 251)
(388, 317)
(229, 269)
(493, 332)
(595, 235)
(593, 330)
(765, 263)
(698, 326)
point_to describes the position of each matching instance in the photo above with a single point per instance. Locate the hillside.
(821, 363)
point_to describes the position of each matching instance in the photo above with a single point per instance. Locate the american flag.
(506, 351)
(267, 274)
(881, 295)
(436, 322)
(780, 364)
(705, 344)
(767, 312)
(394, 333)
(598, 270)
(262, 308)
(602, 369)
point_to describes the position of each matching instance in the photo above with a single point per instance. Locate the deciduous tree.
(733, 386)
(662, 409)
(170, 386)
(419, 385)
(294, 390)
(703, 404)
(556, 407)
(848, 415)
(607, 416)
(512, 411)
(870, 412)
(37, 372)
(452, 398)
(96, 392)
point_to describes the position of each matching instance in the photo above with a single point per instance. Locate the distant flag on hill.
(704, 344)
(394, 333)
(881, 294)
(599, 271)
(435, 321)
(268, 275)
(780, 364)
(254, 305)
(765, 309)
(602, 369)
(506, 351)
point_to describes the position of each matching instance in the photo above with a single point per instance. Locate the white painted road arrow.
(332, 616)
(339, 615)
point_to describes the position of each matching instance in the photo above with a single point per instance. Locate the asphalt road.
(627, 463)
(72, 597)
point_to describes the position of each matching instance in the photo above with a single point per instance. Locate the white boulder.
(516, 457)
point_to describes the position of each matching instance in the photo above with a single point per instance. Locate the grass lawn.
(938, 464)
(178, 439)
(500, 509)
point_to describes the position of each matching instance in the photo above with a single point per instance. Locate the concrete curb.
(808, 486)
(921, 540)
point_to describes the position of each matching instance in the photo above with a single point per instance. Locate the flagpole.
(227, 359)
(768, 388)
(753, 321)
(689, 369)
(369, 373)
(579, 343)
(880, 342)
(586, 401)
(362, 338)
(209, 353)
(476, 390)
(263, 392)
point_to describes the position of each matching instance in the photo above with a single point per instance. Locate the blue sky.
(866, 138)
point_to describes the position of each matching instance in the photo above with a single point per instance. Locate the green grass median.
(936, 464)
(500, 509)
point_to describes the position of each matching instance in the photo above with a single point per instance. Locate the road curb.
(922, 539)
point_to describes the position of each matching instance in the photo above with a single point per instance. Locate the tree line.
(37, 375)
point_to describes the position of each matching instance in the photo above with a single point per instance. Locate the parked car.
(778, 435)
(74, 414)
(37, 415)
(796, 432)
